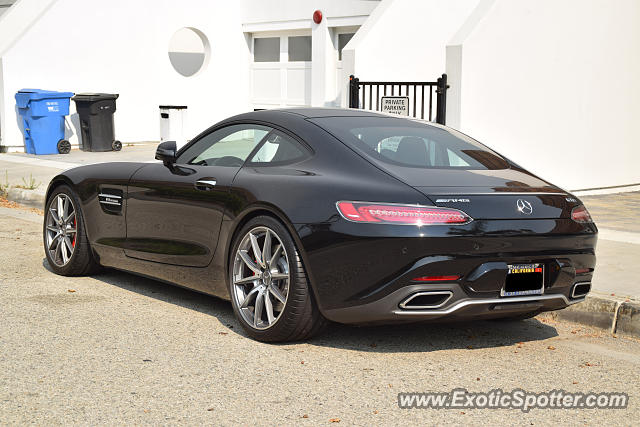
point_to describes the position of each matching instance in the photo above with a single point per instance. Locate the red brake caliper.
(74, 236)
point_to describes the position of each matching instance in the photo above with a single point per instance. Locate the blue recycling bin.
(42, 113)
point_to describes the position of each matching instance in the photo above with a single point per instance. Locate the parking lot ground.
(617, 270)
(618, 250)
(119, 349)
(619, 211)
(26, 176)
(139, 152)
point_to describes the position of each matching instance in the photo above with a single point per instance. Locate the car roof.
(312, 113)
(304, 113)
(288, 116)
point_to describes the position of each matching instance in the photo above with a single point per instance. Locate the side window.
(455, 160)
(279, 148)
(228, 146)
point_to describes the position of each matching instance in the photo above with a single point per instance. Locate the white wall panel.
(554, 86)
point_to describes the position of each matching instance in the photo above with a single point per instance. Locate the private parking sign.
(395, 105)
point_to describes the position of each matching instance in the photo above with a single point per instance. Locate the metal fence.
(367, 96)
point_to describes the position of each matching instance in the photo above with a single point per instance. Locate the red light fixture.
(583, 270)
(436, 279)
(581, 214)
(317, 16)
(387, 213)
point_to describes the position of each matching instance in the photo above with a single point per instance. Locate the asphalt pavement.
(118, 349)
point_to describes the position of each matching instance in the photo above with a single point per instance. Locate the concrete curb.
(611, 314)
(31, 198)
(629, 319)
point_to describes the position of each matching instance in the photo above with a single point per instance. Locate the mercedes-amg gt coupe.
(305, 216)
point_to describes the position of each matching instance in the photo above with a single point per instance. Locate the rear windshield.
(409, 143)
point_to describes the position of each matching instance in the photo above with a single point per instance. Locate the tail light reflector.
(581, 214)
(436, 279)
(386, 213)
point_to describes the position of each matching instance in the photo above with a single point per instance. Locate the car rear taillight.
(387, 213)
(581, 214)
(436, 278)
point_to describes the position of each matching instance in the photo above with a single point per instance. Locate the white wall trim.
(349, 51)
(302, 24)
(276, 26)
(472, 22)
(453, 69)
(16, 21)
(367, 25)
(610, 190)
(453, 62)
(280, 33)
(323, 65)
(347, 21)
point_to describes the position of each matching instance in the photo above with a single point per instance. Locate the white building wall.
(404, 40)
(274, 15)
(281, 84)
(551, 84)
(317, 82)
(554, 86)
(121, 47)
(5, 5)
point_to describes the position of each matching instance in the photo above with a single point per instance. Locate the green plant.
(30, 184)
(4, 187)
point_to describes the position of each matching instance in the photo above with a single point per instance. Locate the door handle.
(205, 184)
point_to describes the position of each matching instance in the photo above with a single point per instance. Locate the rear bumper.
(459, 306)
(362, 273)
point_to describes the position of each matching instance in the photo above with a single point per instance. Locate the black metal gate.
(367, 95)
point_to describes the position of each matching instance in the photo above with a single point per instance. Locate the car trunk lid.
(503, 205)
(495, 194)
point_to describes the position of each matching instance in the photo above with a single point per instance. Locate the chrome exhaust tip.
(580, 289)
(426, 299)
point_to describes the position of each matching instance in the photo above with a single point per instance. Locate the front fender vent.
(111, 200)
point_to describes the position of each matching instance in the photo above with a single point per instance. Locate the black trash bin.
(96, 121)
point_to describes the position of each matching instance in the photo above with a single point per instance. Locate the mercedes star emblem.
(524, 207)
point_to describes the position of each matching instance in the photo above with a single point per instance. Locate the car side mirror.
(166, 152)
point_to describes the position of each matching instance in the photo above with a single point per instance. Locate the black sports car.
(304, 216)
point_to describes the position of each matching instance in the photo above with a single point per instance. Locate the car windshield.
(410, 143)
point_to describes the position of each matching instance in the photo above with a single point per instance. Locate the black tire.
(300, 318)
(64, 146)
(82, 261)
(116, 145)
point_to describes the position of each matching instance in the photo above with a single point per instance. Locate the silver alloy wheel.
(61, 230)
(260, 277)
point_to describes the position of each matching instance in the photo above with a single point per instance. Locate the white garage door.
(281, 70)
